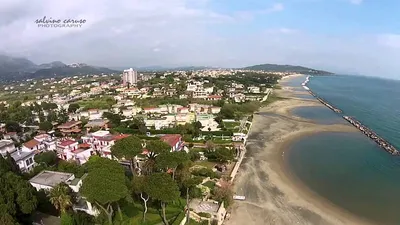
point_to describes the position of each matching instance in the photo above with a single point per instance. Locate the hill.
(285, 68)
(14, 69)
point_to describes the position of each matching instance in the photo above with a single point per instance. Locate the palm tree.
(60, 197)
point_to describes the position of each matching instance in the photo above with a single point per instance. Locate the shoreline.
(274, 195)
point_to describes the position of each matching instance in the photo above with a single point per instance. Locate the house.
(214, 97)
(47, 140)
(239, 97)
(100, 123)
(132, 92)
(158, 123)
(253, 89)
(11, 135)
(101, 141)
(214, 109)
(46, 180)
(151, 110)
(64, 146)
(24, 159)
(173, 140)
(33, 145)
(70, 127)
(6, 146)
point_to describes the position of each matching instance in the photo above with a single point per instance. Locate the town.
(130, 148)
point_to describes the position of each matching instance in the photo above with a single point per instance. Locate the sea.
(349, 169)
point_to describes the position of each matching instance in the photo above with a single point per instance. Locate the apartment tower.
(129, 76)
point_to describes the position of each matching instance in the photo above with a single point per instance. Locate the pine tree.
(4, 166)
(13, 165)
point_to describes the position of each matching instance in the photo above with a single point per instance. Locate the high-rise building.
(129, 76)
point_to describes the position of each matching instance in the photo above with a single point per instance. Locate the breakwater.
(336, 110)
(371, 134)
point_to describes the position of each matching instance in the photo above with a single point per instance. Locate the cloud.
(251, 14)
(277, 7)
(356, 2)
(133, 33)
(389, 40)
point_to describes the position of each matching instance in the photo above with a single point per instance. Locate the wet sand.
(273, 194)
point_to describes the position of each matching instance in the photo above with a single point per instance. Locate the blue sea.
(350, 170)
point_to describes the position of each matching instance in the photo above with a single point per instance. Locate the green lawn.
(133, 214)
(207, 164)
(231, 125)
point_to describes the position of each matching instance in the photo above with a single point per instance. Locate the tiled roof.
(171, 139)
(67, 142)
(32, 143)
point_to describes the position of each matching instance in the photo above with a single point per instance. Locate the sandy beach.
(273, 195)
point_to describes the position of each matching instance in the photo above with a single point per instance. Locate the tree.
(171, 160)
(227, 112)
(224, 193)
(60, 197)
(48, 158)
(63, 116)
(71, 167)
(161, 187)
(139, 185)
(52, 116)
(155, 148)
(13, 165)
(221, 155)
(190, 182)
(105, 184)
(115, 119)
(13, 126)
(128, 148)
(46, 126)
(16, 199)
(73, 107)
(4, 165)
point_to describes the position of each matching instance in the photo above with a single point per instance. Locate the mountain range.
(14, 69)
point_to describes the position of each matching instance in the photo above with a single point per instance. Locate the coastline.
(273, 194)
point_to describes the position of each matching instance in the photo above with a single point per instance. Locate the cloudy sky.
(345, 36)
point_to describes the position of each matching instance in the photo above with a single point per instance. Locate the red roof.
(171, 139)
(121, 136)
(69, 124)
(67, 142)
(84, 145)
(32, 143)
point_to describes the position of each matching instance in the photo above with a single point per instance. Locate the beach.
(273, 194)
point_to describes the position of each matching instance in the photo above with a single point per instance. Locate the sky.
(343, 36)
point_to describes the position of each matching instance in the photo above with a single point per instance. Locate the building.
(70, 127)
(46, 180)
(173, 140)
(129, 77)
(6, 146)
(24, 159)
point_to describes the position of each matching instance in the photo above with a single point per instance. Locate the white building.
(6, 146)
(129, 76)
(46, 180)
(24, 159)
